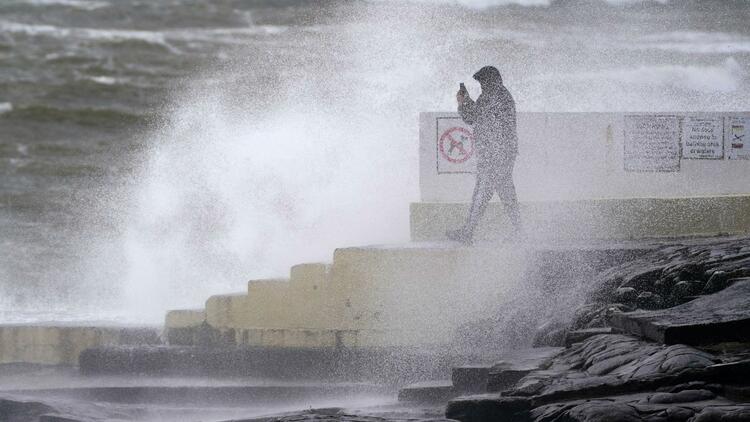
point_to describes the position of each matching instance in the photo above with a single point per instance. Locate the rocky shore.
(664, 337)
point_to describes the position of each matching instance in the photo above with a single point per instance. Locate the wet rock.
(723, 414)
(717, 318)
(686, 288)
(643, 279)
(684, 396)
(427, 392)
(551, 334)
(22, 410)
(626, 294)
(577, 336)
(488, 407)
(517, 364)
(470, 378)
(589, 411)
(717, 282)
(611, 364)
(59, 418)
(648, 300)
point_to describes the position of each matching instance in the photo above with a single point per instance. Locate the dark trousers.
(494, 175)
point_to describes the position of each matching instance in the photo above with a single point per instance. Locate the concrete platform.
(414, 294)
(627, 218)
(60, 344)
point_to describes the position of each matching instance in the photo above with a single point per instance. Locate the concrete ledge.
(328, 338)
(226, 311)
(420, 291)
(631, 218)
(61, 344)
(310, 298)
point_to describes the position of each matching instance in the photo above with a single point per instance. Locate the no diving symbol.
(456, 145)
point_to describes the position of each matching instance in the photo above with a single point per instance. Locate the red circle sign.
(456, 145)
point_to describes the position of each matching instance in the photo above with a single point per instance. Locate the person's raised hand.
(460, 97)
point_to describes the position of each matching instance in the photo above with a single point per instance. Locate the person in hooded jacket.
(493, 120)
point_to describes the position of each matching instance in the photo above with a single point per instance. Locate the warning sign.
(652, 143)
(736, 138)
(703, 138)
(455, 147)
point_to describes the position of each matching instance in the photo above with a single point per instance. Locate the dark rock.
(578, 336)
(626, 295)
(589, 411)
(664, 285)
(723, 414)
(685, 289)
(470, 378)
(428, 392)
(516, 365)
(614, 364)
(551, 334)
(692, 385)
(684, 396)
(721, 317)
(488, 407)
(59, 418)
(22, 410)
(648, 300)
(644, 279)
(720, 280)
(717, 282)
(739, 393)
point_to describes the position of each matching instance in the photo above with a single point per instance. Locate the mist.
(303, 136)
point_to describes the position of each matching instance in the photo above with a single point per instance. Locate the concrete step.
(184, 327)
(61, 344)
(426, 290)
(410, 294)
(395, 366)
(311, 300)
(225, 311)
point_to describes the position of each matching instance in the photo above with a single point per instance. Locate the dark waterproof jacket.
(493, 118)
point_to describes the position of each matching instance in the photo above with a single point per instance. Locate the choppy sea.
(155, 152)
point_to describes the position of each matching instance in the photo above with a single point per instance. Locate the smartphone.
(462, 87)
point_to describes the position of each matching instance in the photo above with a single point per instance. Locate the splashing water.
(291, 142)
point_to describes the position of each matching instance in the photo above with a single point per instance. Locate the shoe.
(460, 235)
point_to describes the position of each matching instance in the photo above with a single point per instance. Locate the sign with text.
(652, 143)
(736, 136)
(703, 138)
(455, 146)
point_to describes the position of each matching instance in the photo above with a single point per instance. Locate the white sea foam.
(162, 38)
(77, 4)
(104, 80)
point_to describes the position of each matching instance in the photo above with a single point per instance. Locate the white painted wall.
(580, 156)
